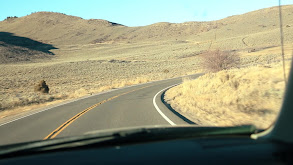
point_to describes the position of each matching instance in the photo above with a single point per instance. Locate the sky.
(138, 12)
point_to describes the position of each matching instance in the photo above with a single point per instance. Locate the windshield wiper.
(123, 137)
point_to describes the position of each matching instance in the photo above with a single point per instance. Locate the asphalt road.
(126, 107)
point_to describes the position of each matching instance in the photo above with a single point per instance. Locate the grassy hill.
(77, 56)
(61, 29)
(15, 49)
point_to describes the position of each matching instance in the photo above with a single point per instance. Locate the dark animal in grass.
(42, 87)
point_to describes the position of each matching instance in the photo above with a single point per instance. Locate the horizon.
(131, 12)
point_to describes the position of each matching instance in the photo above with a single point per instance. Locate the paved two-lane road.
(126, 107)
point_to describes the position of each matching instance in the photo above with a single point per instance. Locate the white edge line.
(77, 99)
(57, 105)
(96, 95)
(158, 109)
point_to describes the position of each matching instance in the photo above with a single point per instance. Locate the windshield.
(71, 68)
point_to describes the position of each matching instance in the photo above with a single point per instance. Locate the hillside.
(61, 29)
(254, 30)
(77, 57)
(16, 49)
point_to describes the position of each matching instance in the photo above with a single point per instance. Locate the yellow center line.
(71, 120)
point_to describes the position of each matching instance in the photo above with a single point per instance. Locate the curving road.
(138, 105)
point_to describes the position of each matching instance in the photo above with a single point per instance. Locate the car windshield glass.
(69, 68)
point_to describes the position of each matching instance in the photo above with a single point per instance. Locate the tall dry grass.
(37, 98)
(233, 97)
(32, 100)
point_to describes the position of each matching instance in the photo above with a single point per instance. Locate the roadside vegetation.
(84, 57)
(229, 97)
(241, 85)
(217, 60)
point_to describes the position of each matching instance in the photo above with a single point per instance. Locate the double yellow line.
(71, 120)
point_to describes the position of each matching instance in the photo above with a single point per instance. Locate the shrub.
(10, 18)
(42, 87)
(217, 60)
(166, 71)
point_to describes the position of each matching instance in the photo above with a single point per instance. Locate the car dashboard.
(220, 150)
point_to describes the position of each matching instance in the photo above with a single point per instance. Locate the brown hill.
(14, 48)
(57, 28)
(60, 29)
(251, 30)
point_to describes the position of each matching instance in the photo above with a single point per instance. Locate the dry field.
(78, 57)
(249, 95)
(88, 69)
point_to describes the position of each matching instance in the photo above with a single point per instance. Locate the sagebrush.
(217, 60)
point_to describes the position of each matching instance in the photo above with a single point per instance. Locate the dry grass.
(89, 69)
(16, 104)
(23, 109)
(235, 97)
(94, 55)
(29, 101)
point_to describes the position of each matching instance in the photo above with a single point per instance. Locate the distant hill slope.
(58, 28)
(11, 54)
(15, 49)
(254, 29)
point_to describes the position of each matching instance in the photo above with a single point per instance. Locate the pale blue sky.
(138, 12)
